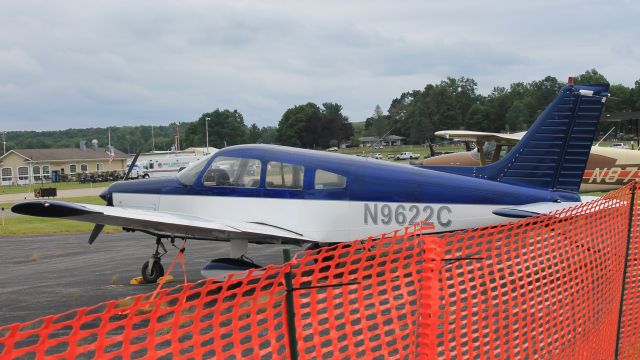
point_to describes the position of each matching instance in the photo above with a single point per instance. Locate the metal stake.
(632, 212)
(291, 315)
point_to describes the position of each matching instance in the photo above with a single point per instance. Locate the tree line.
(453, 103)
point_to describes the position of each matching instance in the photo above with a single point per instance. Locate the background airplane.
(607, 168)
(274, 194)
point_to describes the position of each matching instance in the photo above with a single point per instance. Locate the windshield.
(188, 175)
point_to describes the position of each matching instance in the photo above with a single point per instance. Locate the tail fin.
(554, 152)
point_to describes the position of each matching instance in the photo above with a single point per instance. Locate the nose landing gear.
(153, 270)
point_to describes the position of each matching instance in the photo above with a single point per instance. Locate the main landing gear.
(153, 270)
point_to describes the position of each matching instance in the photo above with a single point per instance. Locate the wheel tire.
(156, 272)
(145, 176)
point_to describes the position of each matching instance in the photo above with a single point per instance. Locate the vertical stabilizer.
(554, 152)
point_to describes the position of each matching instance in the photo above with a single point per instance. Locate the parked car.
(619, 146)
(332, 149)
(377, 156)
(407, 155)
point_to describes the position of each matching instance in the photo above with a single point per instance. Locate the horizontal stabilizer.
(534, 209)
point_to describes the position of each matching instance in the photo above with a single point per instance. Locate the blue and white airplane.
(276, 194)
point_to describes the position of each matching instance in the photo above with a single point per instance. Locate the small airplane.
(275, 194)
(608, 168)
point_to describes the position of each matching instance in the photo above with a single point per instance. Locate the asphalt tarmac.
(45, 275)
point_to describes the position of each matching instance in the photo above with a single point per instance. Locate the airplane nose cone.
(106, 196)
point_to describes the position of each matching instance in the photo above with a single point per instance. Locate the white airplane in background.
(275, 194)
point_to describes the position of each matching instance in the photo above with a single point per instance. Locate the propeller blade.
(133, 163)
(97, 229)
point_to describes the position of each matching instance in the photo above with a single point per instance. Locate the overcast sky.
(105, 63)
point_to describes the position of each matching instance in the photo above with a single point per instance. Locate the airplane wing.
(464, 135)
(158, 223)
(534, 209)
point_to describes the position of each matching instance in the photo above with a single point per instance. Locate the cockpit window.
(488, 148)
(329, 180)
(284, 176)
(189, 174)
(233, 171)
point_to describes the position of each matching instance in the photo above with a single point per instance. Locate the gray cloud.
(76, 64)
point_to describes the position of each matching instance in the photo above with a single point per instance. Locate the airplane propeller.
(133, 163)
(97, 229)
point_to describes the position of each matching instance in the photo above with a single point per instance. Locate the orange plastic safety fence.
(350, 301)
(364, 300)
(629, 347)
(544, 287)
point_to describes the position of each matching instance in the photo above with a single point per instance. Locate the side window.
(329, 180)
(232, 171)
(284, 176)
(7, 174)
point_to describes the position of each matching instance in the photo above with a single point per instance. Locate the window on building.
(46, 170)
(36, 170)
(23, 173)
(232, 171)
(84, 168)
(100, 167)
(7, 174)
(329, 180)
(73, 169)
(284, 176)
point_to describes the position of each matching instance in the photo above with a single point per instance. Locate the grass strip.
(30, 225)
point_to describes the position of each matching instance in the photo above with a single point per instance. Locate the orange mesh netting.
(363, 299)
(544, 287)
(629, 347)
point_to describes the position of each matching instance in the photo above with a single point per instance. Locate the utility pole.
(4, 142)
(206, 130)
(153, 141)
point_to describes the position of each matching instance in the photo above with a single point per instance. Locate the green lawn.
(18, 189)
(31, 225)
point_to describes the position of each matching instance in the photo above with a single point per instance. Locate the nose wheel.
(152, 270)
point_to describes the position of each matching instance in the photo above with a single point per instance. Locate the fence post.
(291, 315)
(632, 208)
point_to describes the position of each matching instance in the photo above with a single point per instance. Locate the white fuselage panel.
(321, 220)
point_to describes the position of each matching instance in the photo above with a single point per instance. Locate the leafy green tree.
(309, 126)
(296, 123)
(377, 124)
(591, 76)
(517, 118)
(269, 135)
(226, 127)
(478, 118)
(253, 135)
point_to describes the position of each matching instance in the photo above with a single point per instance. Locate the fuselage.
(327, 197)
